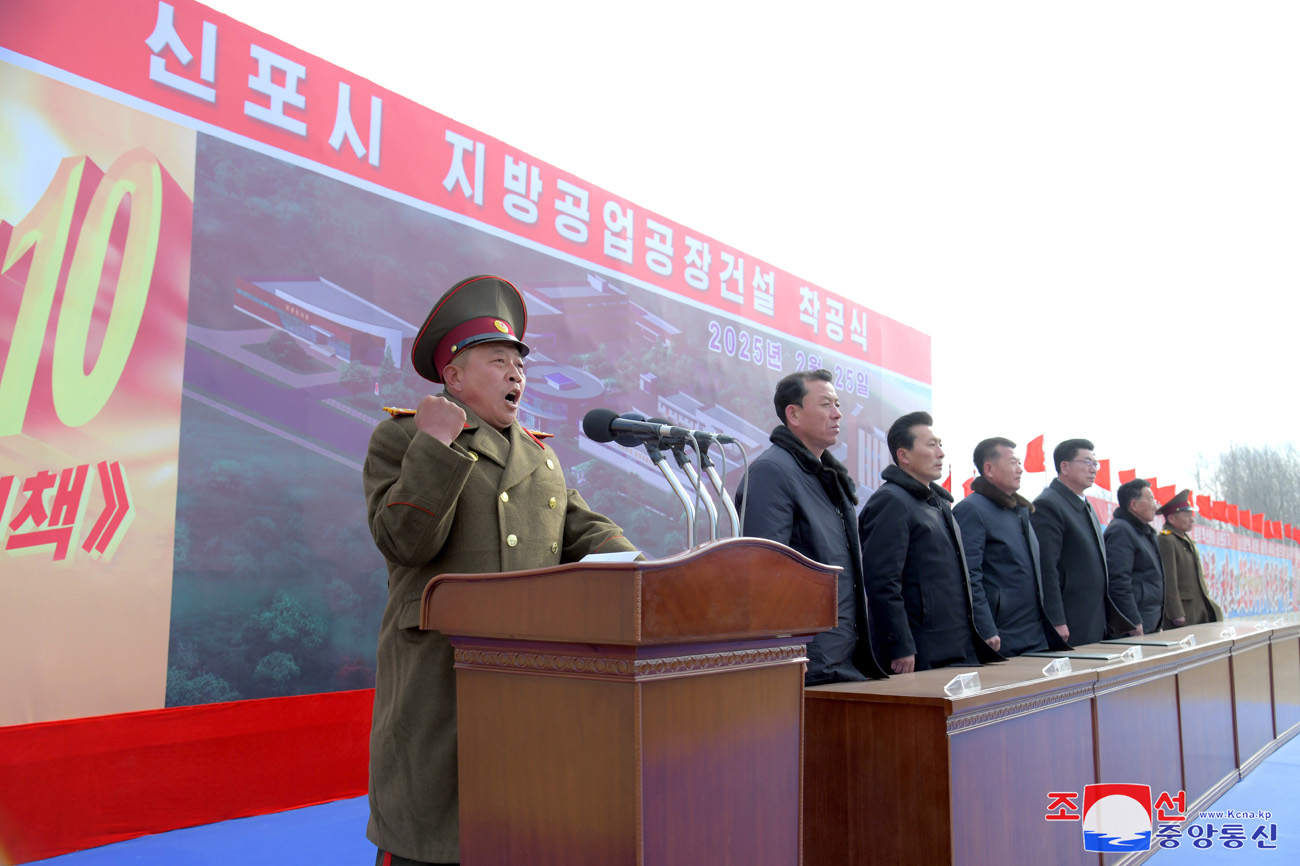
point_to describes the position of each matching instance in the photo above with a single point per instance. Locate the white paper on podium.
(616, 556)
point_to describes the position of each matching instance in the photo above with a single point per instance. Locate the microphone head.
(596, 425)
(629, 440)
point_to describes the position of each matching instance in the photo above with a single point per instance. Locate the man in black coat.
(1137, 578)
(919, 594)
(1072, 553)
(1002, 552)
(797, 493)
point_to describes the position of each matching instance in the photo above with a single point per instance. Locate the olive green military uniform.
(1186, 594)
(486, 503)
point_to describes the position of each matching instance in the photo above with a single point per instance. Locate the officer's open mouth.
(513, 398)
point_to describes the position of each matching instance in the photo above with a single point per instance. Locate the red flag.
(1268, 529)
(1230, 515)
(1127, 475)
(965, 486)
(1277, 529)
(1034, 459)
(1221, 510)
(1289, 532)
(1243, 518)
(1257, 523)
(947, 482)
(1152, 482)
(1205, 505)
(1166, 493)
(1103, 474)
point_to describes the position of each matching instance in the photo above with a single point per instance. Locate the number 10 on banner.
(43, 238)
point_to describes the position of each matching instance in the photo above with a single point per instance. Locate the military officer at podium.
(457, 485)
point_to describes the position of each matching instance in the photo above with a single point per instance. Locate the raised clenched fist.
(440, 418)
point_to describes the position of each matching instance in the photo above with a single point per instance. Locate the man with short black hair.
(1187, 597)
(1137, 579)
(1072, 553)
(922, 611)
(1002, 552)
(797, 493)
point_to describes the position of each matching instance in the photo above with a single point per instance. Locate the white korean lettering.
(456, 176)
(521, 199)
(573, 213)
(280, 95)
(344, 128)
(659, 248)
(809, 307)
(733, 272)
(618, 232)
(697, 263)
(835, 319)
(764, 285)
(164, 35)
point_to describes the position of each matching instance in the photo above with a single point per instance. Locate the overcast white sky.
(1092, 208)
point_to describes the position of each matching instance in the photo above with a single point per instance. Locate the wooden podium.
(645, 713)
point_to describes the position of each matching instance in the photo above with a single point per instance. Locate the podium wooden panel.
(645, 713)
(1252, 698)
(896, 772)
(1284, 656)
(899, 773)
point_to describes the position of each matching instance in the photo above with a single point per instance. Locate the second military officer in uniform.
(1187, 598)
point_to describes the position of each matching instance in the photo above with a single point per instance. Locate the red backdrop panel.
(82, 783)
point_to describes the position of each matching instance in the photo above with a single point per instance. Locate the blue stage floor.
(334, 834)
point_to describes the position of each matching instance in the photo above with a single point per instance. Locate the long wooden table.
(898, 772)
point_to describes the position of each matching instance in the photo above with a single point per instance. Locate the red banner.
(220, 73)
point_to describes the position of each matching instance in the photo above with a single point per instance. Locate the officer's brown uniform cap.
(476, 310)
(1182, 501)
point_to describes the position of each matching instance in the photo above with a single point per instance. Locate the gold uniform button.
(473, 456)
(549, 463)
(555, 547)
(512, 540)
(552, 502)
(505, 497)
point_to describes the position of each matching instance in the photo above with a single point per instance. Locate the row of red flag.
(1224, 512)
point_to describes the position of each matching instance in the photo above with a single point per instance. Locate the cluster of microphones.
(656, 434)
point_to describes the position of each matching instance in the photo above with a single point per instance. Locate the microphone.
(630, 429)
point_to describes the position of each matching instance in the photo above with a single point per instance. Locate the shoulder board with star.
(408, 413)
(537, 436)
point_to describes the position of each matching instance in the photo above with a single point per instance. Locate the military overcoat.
(488, 502)
(1186, 593)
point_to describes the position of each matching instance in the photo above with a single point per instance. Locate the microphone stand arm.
(707, 462)
(662, 462)
(685, 462)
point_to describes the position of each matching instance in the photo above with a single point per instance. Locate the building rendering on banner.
(326, 315)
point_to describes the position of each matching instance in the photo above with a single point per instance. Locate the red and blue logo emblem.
(1116, 817)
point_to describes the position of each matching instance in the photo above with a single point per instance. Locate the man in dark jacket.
(918, 591)
(1187, 598)
(797, 493)
(1137, 579)
(1072, 553)
(1002, 552)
